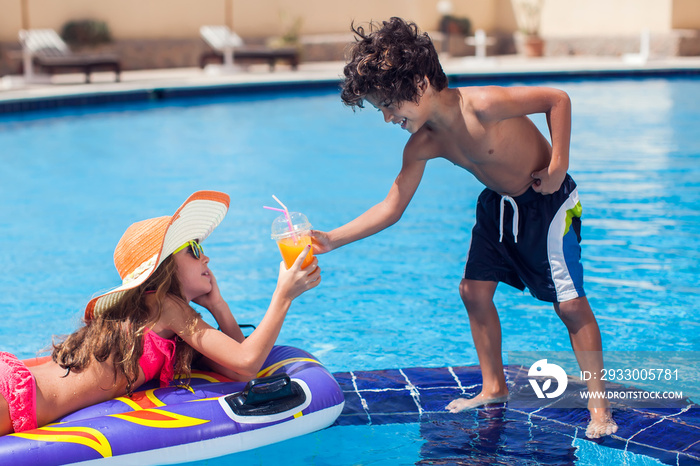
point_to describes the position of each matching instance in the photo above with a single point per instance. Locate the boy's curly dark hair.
(390, 62)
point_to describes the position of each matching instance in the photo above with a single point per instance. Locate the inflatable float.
(293, 395)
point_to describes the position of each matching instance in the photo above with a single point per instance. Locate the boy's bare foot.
(463, 404)
(601, 424)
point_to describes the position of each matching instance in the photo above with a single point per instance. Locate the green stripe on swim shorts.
(575, 211)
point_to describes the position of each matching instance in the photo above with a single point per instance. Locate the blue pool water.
(73, 180)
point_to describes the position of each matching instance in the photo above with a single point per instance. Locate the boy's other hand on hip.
(547, 183)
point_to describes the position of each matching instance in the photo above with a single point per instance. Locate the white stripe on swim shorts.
(563, 283)
(505, 198)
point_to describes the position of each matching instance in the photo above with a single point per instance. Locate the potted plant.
(455, 25)
(454, 29)
(528, 14)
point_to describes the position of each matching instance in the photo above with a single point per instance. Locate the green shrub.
(86, 32)
(449, 23)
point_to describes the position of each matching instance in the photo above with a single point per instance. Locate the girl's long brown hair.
(116, 334)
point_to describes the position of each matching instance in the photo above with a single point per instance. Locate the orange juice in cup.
(291, 249)
(292, 236)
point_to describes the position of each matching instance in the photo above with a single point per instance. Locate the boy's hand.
(546, 182)
(320, 242)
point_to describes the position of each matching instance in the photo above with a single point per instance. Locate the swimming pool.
(74, 179)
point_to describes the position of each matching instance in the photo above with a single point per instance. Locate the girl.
(145, 328)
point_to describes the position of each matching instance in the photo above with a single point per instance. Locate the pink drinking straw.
(286, 215)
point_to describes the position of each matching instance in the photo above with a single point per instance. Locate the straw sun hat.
(146, 244)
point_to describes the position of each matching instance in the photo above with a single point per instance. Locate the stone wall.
(678, 43)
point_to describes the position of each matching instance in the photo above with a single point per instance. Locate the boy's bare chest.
(494, 155)
(471, 149)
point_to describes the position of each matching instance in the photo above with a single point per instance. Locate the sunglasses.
(194, 246)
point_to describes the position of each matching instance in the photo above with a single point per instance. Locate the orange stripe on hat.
(146, 244)
(140, 242)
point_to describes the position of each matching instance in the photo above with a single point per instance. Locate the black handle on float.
(265, 389)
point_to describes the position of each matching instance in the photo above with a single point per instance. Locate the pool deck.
(64, 89)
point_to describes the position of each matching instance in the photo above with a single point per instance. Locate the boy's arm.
(503, 103)
(379, 216)
(559, 123)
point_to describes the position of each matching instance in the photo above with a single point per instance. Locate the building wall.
(158, 19)
(174, 19)
(151, 34)
(605, 17)
(685, 14)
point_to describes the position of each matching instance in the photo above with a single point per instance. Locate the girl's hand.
(321, 242)
(294, 281)
(213, 299)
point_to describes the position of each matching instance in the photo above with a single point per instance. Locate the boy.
(527, 229)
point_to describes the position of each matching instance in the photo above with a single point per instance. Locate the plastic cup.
(291, 243)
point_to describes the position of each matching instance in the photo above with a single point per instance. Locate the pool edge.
(143, 93)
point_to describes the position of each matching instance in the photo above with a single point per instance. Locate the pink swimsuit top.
(158, 357)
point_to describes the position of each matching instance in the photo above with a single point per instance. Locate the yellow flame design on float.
(209, 376)
(147, 399)
(269, 370)
(87, 436)
(159, 419)
(142, 400)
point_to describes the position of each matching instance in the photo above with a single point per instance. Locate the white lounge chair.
(228, 45)
(46, 49)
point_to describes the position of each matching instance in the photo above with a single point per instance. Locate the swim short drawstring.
(505, 198)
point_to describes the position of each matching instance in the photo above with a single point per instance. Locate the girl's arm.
(214, 302)
(242, 360)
